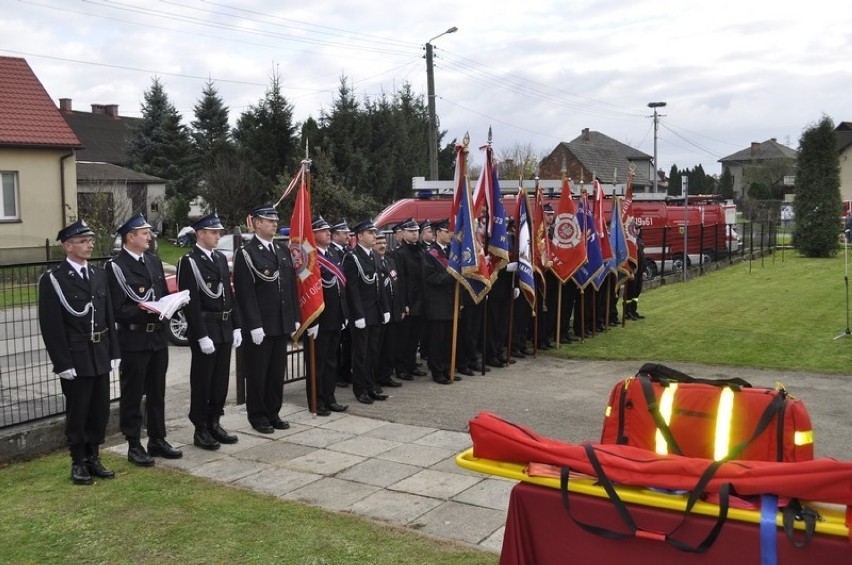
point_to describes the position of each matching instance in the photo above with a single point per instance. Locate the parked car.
(176, 326)
(226, 247)
(152, 247)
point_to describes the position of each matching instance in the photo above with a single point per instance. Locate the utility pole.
(430, 89)
(654, 106)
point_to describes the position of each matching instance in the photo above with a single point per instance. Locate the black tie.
(141, 260)
(84, 272)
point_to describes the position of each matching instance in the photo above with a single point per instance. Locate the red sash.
(331, 267)
(439, 257)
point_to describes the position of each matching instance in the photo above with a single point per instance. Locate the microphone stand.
(847, 331)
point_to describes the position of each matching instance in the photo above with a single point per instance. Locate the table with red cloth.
(539, 531)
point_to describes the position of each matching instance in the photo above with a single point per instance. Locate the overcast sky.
(537, 72)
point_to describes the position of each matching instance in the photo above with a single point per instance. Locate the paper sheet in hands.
(167, 305)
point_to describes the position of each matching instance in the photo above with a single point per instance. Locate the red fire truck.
(707, 223)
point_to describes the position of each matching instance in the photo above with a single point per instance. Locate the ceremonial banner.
(618, 238)
(541, 241)
(304, 253)
(594, 263)
(629, 221)
(567, 247)
(466, 262)
(526, 279)
(600, 222)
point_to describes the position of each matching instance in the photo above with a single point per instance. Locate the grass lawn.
(162, 516)
(169, 252)
(767, 314)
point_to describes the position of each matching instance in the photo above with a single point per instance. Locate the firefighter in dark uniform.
(332, 320)
(76, 319)
(438, 302)
(213, 328)
(634, 287)
(409, 262)
(394, 295)
(427, 238)
(136, 276)
(339, 247)
(367, 312)
(265, 290)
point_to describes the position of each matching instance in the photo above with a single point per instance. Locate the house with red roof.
(38, 165)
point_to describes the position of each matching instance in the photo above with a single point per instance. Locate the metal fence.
(706, 245)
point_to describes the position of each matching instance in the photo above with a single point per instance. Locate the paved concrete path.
(393, 461)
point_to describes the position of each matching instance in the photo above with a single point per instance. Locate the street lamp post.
(654, 106)
(430, 87)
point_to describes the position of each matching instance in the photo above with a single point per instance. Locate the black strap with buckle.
(85, 338)
(223, 316)
(150, 327)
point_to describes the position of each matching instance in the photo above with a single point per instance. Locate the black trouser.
(569, 296)
(143, 373)
(470, 326)
(344, 356)
(266, 367)
(583, 321)
(325, 359)
(86, 414)
(389, 348)
(366, 348)
(407, 341)
(440, 336)
(520, 323)
(208, 383)
(497, 326)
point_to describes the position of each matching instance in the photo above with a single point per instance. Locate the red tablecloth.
(540, 532)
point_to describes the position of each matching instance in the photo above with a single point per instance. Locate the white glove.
(257, 335)
(512, 267)
(516, 293)
(68, 374)
(345, 325)
(115, 364)
(238, 339)
(360, 323)
(298, 325)
(313, 331)
(387, 318)
(206, 345)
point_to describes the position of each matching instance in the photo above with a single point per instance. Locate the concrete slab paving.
(378, 472)
(494, 542)
(275, 452)
(421, 455)
(229, 469)
(488, 493)
(463, 522)
(323, 462)
(456, 441)
(399, 432)
(395, 507)
(319, 437)
(364, 446)
(331, 494)
(449, 465)
(353, 424)
(277, 481)
(435, 484)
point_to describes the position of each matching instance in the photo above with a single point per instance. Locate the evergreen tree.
(159, 145)
(210, 129)
(266, 135)
(675, 186)
(818, 204)
(726, 184)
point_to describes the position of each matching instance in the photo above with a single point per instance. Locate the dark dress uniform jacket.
(438, 286)
(139, 278)
(409, 261)
(201, 311)
(336, 310)
(68, 337)
(272, 305)
(391, 287)
(365, 299)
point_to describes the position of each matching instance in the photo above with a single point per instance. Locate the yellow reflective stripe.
(666, 403)
(608, 411)
(724, 414)
(803, 438)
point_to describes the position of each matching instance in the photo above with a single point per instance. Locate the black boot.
(136, 454)
(95, 467)
(220, 434)
(80, 474)
(203, 439)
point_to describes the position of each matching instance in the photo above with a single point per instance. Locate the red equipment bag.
(666, 411)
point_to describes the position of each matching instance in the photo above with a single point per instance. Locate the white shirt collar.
(77, 267)
(132, 254)
(208, 253)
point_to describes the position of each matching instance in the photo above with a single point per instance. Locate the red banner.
(601, 223)
(304, 252)
(629, 222)
(568, 247)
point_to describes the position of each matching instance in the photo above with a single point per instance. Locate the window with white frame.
(9, 196)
